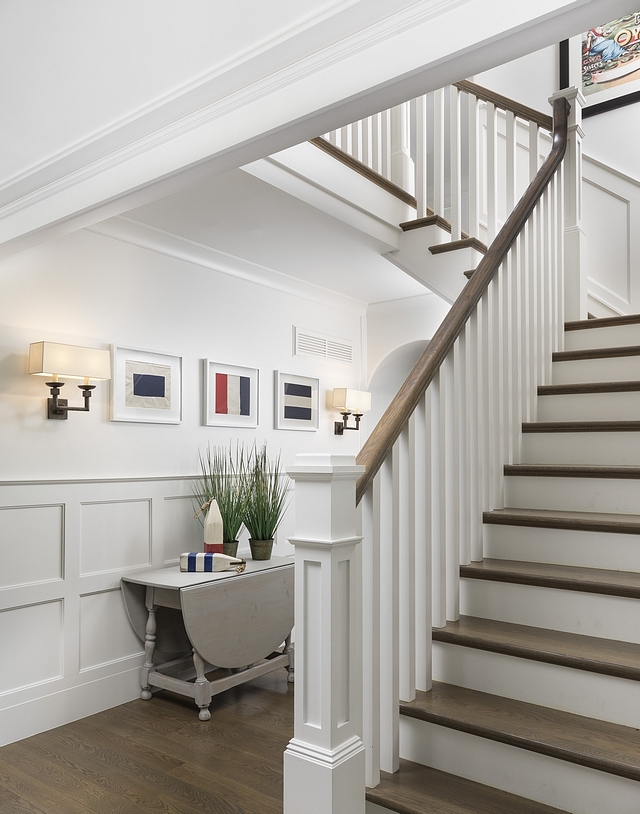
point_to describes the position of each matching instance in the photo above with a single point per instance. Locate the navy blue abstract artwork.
(298, 401)
(147, 385)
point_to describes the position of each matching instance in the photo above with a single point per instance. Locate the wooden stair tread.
(464, 243)
(587, 387)
(595, 353)
(549, 575)
(577, 521)
(601, 322)
(581, 426)
(416, 789)
(572, 471)
(587, 742)
(589, 653)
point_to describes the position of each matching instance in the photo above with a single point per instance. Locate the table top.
(174, 578)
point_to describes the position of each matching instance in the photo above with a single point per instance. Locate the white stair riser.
(548, 780)
(374, 808)
(588, 448)
(590, 407)
(611, 337)
(574, 494)
(611, 369)
(550, 685)
(588, 549)
(608, 617)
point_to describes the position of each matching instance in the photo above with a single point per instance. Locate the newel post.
(324, 762)
(402, 167)
(575, 244)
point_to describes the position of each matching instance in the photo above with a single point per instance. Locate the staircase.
(535, 689)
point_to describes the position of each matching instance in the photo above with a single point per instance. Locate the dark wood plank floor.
(156, 756)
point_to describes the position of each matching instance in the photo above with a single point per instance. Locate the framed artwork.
(145, 386)
(608, 65)
(230, 395)
(297, 401)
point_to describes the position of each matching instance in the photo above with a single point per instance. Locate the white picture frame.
(146, 386)
(231, 395)
(297, 402)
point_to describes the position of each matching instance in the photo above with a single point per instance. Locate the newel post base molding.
(324, 764)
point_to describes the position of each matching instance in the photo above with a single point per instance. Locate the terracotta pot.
(230, 549)
(261, 549)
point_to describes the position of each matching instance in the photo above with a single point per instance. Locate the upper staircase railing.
(430, 468)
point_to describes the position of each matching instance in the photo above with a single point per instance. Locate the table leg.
(288, 650)
(203, 688)
(149, 647)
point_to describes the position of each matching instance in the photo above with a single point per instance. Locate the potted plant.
(225, 478)
(266, 502)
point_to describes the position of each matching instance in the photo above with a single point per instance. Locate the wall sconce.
(69, 362)
(348, 402)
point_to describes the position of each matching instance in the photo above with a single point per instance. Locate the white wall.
(87, 500)
(529, 80)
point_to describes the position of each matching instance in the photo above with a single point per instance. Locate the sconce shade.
(69, 361)
(352, 401)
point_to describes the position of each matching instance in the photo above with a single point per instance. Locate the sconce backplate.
(62, 415)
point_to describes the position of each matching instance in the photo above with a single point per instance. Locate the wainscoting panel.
(182, 532)
(67, 648)
(34, 658)
(611, 223)
(114, 535)
(42, 559)
(105, 633)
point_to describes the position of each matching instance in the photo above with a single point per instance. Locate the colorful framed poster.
(296, 402)
(609, 65)
(230, 395)
(146, 386)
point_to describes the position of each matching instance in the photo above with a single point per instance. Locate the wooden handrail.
(386, 432)
(522, 111)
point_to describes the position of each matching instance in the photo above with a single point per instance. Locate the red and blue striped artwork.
(233, 394)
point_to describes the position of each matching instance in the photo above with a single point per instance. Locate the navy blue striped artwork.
(298, 401)
(144, 384)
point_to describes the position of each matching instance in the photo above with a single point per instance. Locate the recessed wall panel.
(114, 535)
(31, 544)
(32, 645)
(606, 225)
(182, 531)
(105, 632)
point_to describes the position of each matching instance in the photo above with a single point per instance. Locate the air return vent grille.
(319, 346)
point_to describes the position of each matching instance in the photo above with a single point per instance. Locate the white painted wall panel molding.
(181, 531)
(368, 58)
(114, 535)
(32, 645)
(611, 223)
(105, 633)
(43, 527)
(68, 649)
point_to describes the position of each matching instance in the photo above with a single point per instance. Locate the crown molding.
(130, 231)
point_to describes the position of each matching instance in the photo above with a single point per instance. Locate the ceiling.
(240, 215)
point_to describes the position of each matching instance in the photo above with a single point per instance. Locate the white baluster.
(448, 419)
(492, 173)
(496, 380)
(473, 396)
(366, 129)
(438, 547)
(421, 156)
(474, 168)
(385, 143)
(517, 369)
(462, 432)
(326, 753)
(455, 174)
(484, 413)
(389, 599)
(371, 636)
(403, 507)
(438, 152)
(420, 454)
